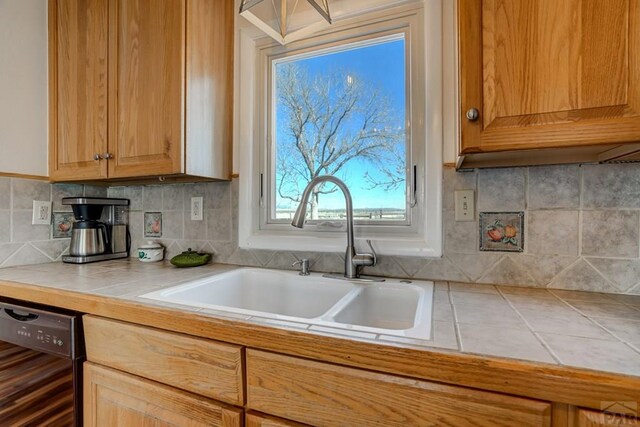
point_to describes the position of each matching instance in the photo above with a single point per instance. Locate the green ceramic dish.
(190, 259)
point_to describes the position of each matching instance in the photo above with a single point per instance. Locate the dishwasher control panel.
(37, 329)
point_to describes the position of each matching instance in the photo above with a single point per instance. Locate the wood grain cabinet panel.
(322, 394)
(78, 88)
(548, 73)
(254, 419)
(147, 60)
(112, 398)
(589, 418)
(197, 365)
(145, 87)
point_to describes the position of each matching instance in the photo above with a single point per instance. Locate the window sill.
(336, 242)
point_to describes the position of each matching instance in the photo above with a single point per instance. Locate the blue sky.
(382, 65)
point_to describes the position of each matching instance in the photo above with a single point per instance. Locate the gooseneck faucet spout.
(352, 260)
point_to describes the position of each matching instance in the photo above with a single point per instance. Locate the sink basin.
(395, 307)
(382, 307)
(259, 292)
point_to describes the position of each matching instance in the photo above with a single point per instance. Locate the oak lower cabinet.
(205, 367)
(589, 418)
(255, 419)
(323, 394)
(140, 89)
(138, 375)
(558, 78)
(113, 398)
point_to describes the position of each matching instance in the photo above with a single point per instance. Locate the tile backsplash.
(582, 227)
(22, 243)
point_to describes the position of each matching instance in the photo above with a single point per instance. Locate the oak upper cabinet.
(147, 63)
(112, 398)
(78, 39)
(161, 100)
(549, 74)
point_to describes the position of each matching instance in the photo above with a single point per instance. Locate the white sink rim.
(422, 327)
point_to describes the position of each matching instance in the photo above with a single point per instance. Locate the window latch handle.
(414, 187)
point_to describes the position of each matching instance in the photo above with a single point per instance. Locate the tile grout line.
(567, 268)
(600, 273)
(491, 267)
(11, 227)
(580, 209)
(526, 191)
(456, 325)
(589, 318)
(628, 344)
(535, 334)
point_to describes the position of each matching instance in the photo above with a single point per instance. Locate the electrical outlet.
(196, 209)
(41, 213)
(465, 205)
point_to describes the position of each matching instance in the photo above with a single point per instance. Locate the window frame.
(422, 26)
(368, 36)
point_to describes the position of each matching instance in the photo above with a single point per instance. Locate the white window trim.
(427, 242)
(369, 34)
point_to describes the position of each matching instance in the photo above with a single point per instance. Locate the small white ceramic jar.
(151, 252)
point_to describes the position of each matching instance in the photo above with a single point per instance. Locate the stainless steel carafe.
(88, 238)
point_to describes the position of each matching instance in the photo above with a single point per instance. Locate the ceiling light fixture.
(277, 18)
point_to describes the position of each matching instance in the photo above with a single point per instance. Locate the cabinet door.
(549, 73)
(147, 63)
(112, 398)
(78, 88)
(588, 418)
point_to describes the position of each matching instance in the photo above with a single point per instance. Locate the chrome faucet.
(352, 261)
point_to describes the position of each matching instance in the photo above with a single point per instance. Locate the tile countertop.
(569, 328)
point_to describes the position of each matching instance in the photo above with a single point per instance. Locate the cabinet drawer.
(254, 419)
(327, 395)
(197, 365)
(113, 398)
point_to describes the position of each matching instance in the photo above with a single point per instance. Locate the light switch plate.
(465, 205)
(41, 213)
(196, 209)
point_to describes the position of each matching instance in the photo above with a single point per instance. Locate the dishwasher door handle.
(21, 317)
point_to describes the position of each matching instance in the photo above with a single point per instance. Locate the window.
(342, 112)
(350, 102)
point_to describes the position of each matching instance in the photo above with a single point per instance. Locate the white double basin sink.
(393, 307)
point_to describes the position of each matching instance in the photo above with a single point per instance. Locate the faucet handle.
(304, 266)
(373, 251)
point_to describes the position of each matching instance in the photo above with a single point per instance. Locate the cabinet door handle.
(97, 157)
(473, 114)
(107, 156)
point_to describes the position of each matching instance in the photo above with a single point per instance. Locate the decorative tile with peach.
(502, 231)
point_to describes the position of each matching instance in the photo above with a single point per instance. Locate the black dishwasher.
(41, 355)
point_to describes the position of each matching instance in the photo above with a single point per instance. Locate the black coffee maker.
(100, 231)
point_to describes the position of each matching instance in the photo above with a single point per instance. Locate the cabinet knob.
(473, 114)
(97, 157)
(107, 156)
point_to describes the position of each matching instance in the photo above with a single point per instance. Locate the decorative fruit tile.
(502, 231)
(152, 224)
(62, 224)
